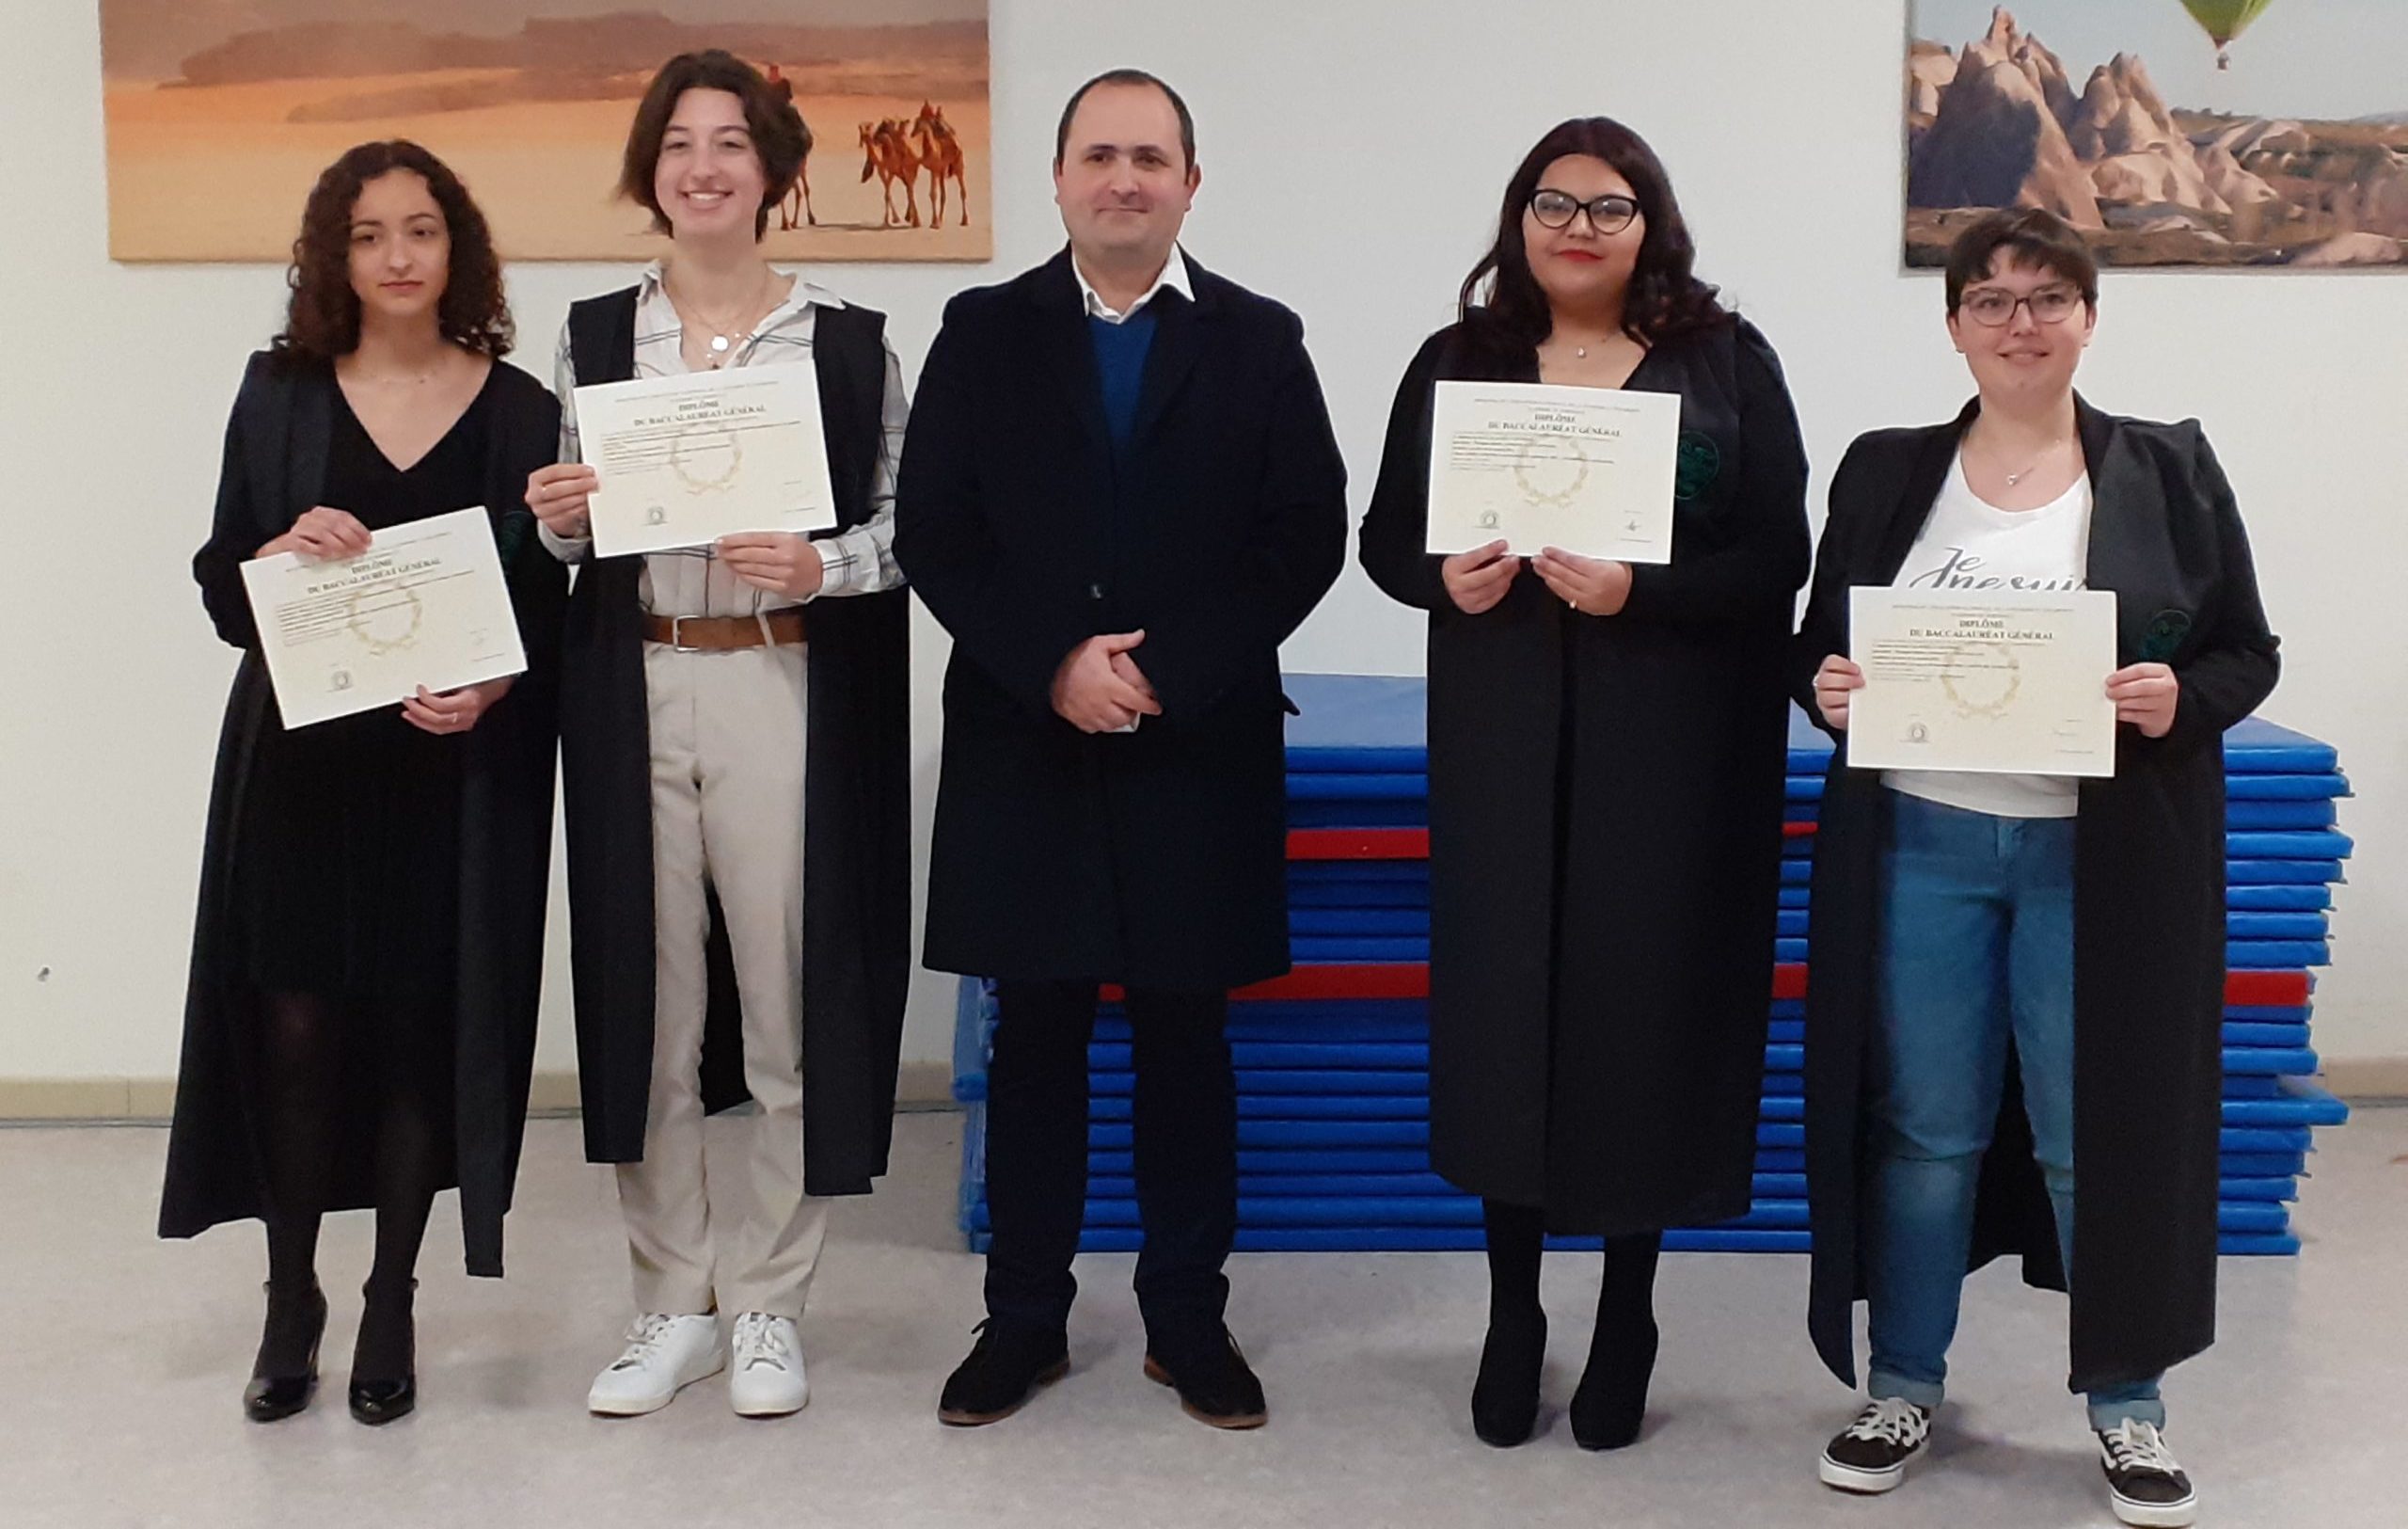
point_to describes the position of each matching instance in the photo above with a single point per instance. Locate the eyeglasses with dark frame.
(1608, 214)
(1994, 308)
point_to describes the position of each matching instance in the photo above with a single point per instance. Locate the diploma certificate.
(2011, 683)
(424, 605)
(685, 460)
(1589, 470)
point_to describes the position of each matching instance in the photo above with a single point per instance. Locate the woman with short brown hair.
(2018, 977)
(734, 713)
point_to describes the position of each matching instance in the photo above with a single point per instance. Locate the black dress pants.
(1037, 1156)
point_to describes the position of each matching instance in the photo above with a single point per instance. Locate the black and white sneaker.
(2147, 1485)
(1871, 1456)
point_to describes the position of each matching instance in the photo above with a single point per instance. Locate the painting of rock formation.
(2191, 174)
(220, 114)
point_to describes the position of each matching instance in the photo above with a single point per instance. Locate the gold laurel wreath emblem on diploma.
(1955, 683)
(699, 483)
(375, 629)
(1523, 476)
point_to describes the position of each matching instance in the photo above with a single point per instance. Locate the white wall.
(1353, 158)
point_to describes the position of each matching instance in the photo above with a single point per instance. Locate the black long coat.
(1156, 858)
(1604, 815)
(2166, 537)
(856, 823)
(275, 468)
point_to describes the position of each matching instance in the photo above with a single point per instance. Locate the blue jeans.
(1975, 954)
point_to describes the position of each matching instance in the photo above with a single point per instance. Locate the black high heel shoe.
(1608, 1409)
(388, 1323)
(1505, 1398)
(295, 1325)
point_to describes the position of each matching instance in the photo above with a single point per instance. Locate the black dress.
(348, 886)
(394, 880)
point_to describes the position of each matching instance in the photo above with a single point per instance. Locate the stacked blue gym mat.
(1333, 1081)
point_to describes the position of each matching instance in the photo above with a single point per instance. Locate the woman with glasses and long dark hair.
(1607, 748)
(369, 949)
(2018, 974)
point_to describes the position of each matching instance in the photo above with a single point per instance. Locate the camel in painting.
(940, 149)
(796, 203)
(887, 153)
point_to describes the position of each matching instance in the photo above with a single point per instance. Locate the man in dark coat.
(1120, 493)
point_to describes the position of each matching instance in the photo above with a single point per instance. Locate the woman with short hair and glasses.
(2028, 962)
(1606, 752)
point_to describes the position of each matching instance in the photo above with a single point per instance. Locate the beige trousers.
(738, 1234)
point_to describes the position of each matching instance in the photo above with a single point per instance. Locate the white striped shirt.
(691, 580)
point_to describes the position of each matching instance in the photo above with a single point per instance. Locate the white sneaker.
(765, 1356)
(663, 1354)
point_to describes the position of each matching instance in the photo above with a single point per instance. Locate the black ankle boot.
(383, 1364)
(285, 1373)
(1611, 1403)
(1505, 1398)
(1004, 1370)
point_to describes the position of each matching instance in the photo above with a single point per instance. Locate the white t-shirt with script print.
(1968, 545)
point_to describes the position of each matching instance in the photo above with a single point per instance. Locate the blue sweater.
(1120, 351)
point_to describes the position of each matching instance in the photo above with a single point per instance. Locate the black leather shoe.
(384, 1365)
(1004, 1370)
(379, 1402)
(1612, 1404)
(1505, 1398)
(1214, 1384)
(285, 1374)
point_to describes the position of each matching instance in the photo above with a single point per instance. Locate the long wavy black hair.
(322, 322)
(1666, 299)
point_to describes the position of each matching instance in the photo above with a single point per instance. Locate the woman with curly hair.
(367, 957)
(1605, 765)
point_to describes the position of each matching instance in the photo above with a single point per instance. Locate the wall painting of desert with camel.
(2238, 133)
(221, 113)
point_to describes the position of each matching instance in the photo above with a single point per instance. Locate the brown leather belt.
(723, 634)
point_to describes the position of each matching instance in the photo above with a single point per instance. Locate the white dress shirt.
(1173, 277)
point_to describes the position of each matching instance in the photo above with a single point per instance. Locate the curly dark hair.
(323, 320)
(1665, 298)
(780, 140)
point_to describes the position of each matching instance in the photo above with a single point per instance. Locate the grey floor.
(124, 1358)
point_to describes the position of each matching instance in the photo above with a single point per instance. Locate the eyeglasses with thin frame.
(1994, 307)
(1608, 214)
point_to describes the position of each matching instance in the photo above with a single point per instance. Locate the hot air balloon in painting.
(2225, 20)
(2296, 159)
